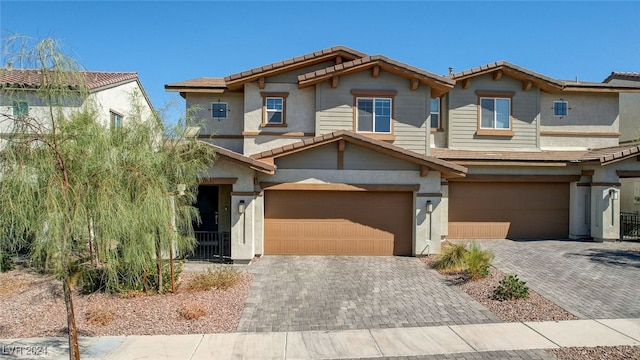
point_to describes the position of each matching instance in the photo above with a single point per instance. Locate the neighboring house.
(630, 133)
(117, 96)
(339, 152)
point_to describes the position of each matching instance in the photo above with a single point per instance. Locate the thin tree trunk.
(173, 274)
(74, 350)
(159, 262)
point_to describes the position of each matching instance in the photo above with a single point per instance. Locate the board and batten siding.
(334, 107)
(463, 115)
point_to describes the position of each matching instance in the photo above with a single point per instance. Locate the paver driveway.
(292, 293)
(590, 280)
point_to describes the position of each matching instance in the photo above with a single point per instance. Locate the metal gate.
(212, 246)
(629, 226)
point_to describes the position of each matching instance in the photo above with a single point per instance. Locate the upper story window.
(274, 109)
(116, 119)
(20, 108)
(494, 113)
(560, 108)
(373, 112)
(219, 110)
(435, 113)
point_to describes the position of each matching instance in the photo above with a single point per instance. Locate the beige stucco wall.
(629, 109)
(255, 144)
(334, 107)
(630, 195)
(199, 107)
(463, 116)
(588, 113)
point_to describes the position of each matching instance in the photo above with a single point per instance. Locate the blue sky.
(170, 41)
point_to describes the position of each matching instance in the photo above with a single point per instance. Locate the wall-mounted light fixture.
(613, 193)
(241, 207)
(429, 206)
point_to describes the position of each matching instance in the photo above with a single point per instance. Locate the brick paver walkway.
(297, 293)
(591, 280)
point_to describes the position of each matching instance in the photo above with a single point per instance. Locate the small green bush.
(478, 261)
(6, 262)
(94, 280)
(511, 288)
(221, 278)
(452, 258)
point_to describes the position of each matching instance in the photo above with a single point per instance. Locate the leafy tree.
(85, 198)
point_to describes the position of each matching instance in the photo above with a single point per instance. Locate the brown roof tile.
(92, 79)
(540, 80)
(203, 82)
(635, 76)
(447, 168)
(250, 162)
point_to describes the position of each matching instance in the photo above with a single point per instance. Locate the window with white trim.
(435, 113)
(219, 110)
(560, 108)
(116, 119)
(274, 107)
(495, 113)
(373, 115)
(20, 108)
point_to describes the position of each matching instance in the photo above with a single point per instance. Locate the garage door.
(338, 223)
(508, 210)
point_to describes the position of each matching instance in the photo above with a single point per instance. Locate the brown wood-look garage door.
(480, 210)
(338, 223)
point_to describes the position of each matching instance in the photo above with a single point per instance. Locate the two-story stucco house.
(116, 96)
(339, 152)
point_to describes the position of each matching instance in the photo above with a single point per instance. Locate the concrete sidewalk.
(518, 340)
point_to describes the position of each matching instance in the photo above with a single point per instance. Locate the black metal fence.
(212, 246)
(629, 226)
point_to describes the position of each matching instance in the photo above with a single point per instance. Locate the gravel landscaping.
(31, 305)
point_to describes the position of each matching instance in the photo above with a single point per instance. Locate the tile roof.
(447, 168)
(93, 79)
(321, 55)
(539, 79)
(602, 156)
(252, 163)
(203, 83)
(441, 83)
(635, 76)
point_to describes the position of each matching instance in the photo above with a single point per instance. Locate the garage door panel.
(348, 223)
(508, 210)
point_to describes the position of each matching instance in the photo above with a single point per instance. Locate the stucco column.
(242, 228)
(605, 218)
(580, 209)
(428, 211)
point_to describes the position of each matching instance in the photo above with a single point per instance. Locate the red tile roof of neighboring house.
(634, 76)
(245, 160)
(93, 79)
(602, 156)
(203, 82)
(440, 84)
(447, 168)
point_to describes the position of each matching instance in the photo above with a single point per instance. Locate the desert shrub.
(99, 317)
(192, 311)
(6, 262)
(511, 288)
(451, 258)
(221, 278)
(478, 261)
(96, 279)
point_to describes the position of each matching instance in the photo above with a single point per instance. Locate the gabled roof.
(236, 81)
(446, 168)
(242, 159)
(633, 76)
(543, 82)
(439, 84)
(31, 78)
(582, 86)
(600, 156)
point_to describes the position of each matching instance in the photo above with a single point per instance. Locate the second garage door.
(479, 210)
(338, 222)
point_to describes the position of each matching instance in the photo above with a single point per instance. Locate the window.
(219, 110)
(274, 109)
(374, 115)
(560, 108)
(116, 120)
(495, 113)
(435, 113)
(20, 108)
